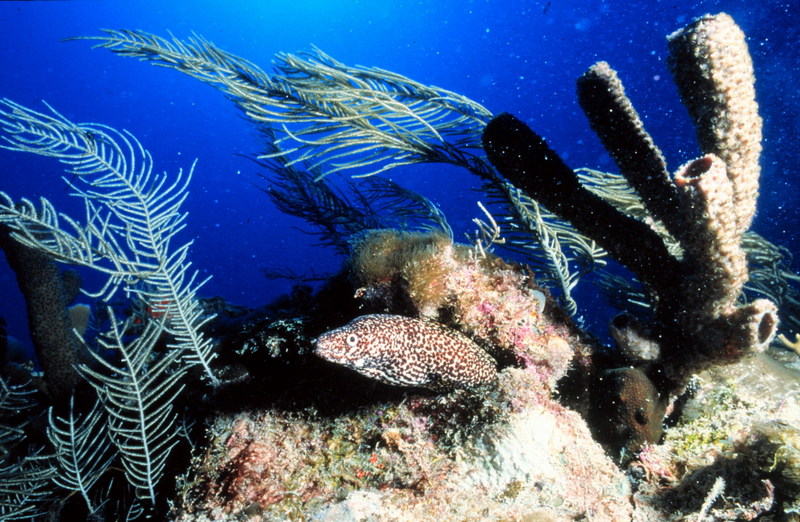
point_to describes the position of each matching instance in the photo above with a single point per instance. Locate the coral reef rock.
(506, 455)
(495, 303)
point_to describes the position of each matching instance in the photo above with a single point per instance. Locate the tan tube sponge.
(714, 74)
(694, 290)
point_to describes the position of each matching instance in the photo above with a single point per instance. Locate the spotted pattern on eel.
(408, 352)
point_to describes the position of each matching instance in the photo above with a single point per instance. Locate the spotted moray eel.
(408, 352)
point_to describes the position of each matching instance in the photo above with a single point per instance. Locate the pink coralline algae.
(494, 302)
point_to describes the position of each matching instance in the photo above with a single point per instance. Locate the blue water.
(517, 56)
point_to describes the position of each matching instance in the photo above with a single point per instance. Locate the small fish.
(408, 352)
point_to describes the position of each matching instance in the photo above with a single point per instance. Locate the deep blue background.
(516, 56)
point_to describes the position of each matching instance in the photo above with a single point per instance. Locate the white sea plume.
(138, 394)
(132, 216)
(83, 449)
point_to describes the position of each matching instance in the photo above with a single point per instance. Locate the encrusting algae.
(493, 302)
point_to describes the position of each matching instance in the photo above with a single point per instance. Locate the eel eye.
(352, 340)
